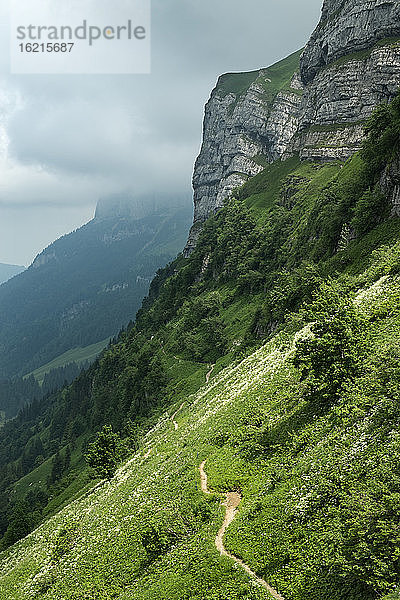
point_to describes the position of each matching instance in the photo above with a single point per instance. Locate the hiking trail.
(209, 373)
(231, 504)
(174, 415)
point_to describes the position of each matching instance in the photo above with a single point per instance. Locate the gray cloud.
(67, 140)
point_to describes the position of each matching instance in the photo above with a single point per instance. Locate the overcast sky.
(67, 140)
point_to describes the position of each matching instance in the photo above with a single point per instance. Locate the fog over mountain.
(65, 141)
(88, 284)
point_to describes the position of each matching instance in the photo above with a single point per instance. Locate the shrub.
(65, 540)
(331, 355)
(105, 453)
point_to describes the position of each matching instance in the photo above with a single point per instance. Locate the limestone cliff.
(350, 64)
(249, 121)
(316, 107)
(348, 26)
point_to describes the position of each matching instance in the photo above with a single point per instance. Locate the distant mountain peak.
(9, 271)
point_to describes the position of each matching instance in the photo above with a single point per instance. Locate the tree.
(371, 209)
(105, 453)
(67, 458)
(331, 355)
(21, 523)
(57, 467)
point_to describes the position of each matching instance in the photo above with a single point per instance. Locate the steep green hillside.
(272, 355)
(319, 480)
(78, 356)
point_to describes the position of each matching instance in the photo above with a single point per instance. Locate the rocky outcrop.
(341, 97)
(390, 185)
(348, 26)
(244, 128)
(349, 66)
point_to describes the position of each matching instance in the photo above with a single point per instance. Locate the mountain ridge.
(60, 301)
(8, 271)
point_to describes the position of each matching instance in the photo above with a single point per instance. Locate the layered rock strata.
(349, 66)
(243, 130)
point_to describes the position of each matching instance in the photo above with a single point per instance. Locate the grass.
(149, 534)
(236, 83)
(306, 179)
(76, 355)
(363, 54)
(273, 80)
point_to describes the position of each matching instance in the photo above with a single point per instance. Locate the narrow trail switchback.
(174, 415)
(209, 373)
(231, 504)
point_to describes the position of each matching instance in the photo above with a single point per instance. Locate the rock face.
(316, 108)
(348, 26)
(249, 120)
(390, 185)
(350, 64)
(339, 100)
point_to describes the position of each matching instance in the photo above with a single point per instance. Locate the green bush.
(105, 453)
(370, 210)
(65, 540)
(331, 355)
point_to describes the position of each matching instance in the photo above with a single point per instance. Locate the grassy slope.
(76, 355)
(273, 78)
(149, 534)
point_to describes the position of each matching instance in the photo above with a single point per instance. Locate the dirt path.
(209, 373)
(174, 415)
(231, 504)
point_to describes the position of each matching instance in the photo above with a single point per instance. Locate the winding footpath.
(231, 504)
(209, 373)
(174, 416)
